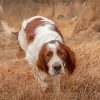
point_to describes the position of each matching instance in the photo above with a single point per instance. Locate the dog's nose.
(58, 67)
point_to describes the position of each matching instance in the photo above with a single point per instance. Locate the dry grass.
(81, 34)
(17, 80)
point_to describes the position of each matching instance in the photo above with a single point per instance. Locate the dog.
(41, 44)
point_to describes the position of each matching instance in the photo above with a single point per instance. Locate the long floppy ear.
(70, 60)
(41, 61)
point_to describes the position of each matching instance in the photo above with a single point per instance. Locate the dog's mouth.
(56, 73)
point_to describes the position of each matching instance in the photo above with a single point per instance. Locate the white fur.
(55, 58)
(22, 40)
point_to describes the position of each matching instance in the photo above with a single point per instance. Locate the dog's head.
(55, 57)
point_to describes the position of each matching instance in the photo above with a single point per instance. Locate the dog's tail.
(7, 30)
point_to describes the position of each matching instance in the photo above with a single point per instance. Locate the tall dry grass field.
(79, 22)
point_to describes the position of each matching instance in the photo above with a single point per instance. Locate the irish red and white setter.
(42, 46)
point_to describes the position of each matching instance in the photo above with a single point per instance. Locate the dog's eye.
(60, 53)
(49, 53)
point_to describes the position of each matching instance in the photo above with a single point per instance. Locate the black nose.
(57, 67)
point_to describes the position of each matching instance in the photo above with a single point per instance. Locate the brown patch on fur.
(68, 56)
(31, 26)
(70, 60)
(30, 29)
(42, 63)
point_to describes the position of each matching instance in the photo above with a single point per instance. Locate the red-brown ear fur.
(41, 61)
(70, 60)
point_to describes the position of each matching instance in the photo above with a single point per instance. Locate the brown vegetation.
(79, 22)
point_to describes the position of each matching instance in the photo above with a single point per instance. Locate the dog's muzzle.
(57, 67)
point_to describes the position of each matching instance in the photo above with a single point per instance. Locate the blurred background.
(78, 20)
(71, 16)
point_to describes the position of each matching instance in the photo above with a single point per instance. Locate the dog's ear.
(70, 60)
(41, 61)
